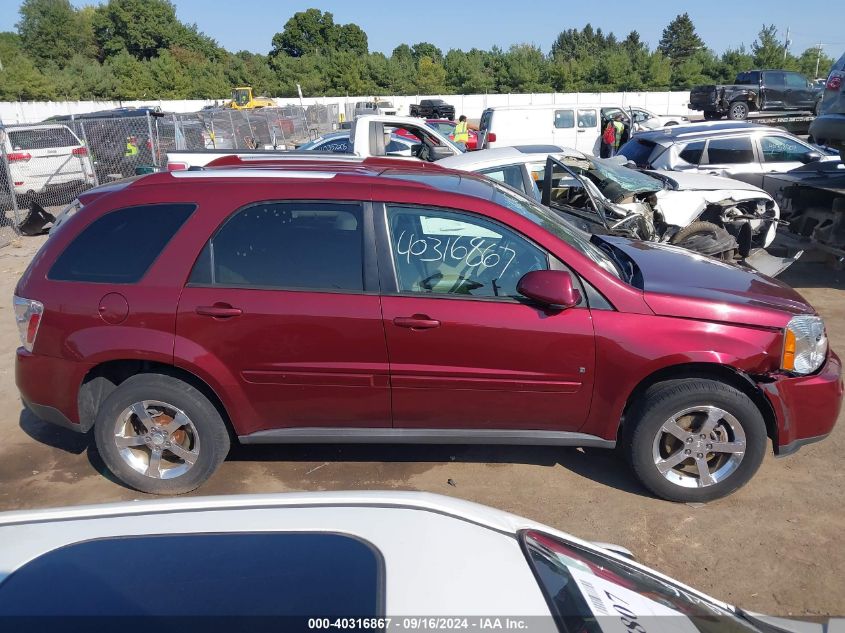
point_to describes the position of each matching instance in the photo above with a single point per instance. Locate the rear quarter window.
(638, 150)
(120, 246)
(235, 575)
(691, 152)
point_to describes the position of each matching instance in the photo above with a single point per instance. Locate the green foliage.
(767, 51)
(53, 31)
(679, 40)
(139, 49)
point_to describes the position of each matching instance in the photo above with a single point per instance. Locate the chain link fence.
(48, 164)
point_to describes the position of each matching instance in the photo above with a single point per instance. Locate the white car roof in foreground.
(27, 534)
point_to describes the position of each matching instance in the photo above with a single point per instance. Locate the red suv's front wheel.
(160, 435)
(695, 440)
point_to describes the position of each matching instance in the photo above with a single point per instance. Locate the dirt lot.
(776, 546)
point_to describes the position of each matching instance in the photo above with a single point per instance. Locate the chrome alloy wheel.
(699, 447)
(156, 439)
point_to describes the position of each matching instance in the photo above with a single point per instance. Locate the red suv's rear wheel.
(160, 435)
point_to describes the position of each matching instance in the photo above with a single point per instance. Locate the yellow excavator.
(242, 99)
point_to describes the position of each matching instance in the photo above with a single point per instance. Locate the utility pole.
(818, 59)
(786, 45)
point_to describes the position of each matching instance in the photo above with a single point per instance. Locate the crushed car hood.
(678, 282)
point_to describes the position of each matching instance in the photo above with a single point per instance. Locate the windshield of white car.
(584, 588)
(616, 181)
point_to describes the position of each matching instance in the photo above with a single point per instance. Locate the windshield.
(587, 590)
(614, 180)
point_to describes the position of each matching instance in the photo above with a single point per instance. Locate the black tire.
(712, 115)
(738, 111)
(715, 235)
(660, 403)
(213, 436)
(842, 155)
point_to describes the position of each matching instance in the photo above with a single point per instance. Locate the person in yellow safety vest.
(461, 134)
(620, 129)
(131, 147)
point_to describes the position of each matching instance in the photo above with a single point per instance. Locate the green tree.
(53, 31)
(426, 49)
(525, 69)
(352, 39)
(467, 73)
(733, 61)
(431, 77)
(679, 40)
(307, 32)
(812, 59)
(767, 51)
(84, 78)
(658, 75)
(140, 27)
(132, 77)
(20, 80)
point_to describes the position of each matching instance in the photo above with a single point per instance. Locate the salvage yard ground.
(776, 546)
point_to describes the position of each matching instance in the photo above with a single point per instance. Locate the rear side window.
(564, 119)
(730, 151)
(39, 138)
(751, 78)
(287, 245)
(120, 246)
(692, 152)
(587, 118)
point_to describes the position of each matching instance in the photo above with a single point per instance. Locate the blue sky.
(251, 24)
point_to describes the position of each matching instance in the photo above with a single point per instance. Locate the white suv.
(45, 158)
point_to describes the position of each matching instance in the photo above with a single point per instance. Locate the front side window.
(510, 175)
(564, 119)
(287, 245)
(446, 252)
(782, 149)
(119, 247)
(796, 81)
(727, 151)
(691, 153)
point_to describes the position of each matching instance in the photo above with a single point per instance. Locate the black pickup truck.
(756, 91)
(433, 109)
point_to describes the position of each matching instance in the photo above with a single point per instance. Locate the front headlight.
(804, 345)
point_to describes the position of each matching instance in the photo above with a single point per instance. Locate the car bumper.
(49, 387)
(829, 129)
(806, 407)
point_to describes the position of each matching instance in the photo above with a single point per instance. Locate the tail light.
(834, 82)
(79, 151)
(175, 166)
(28, 317)
(15, 157)
(491, 137)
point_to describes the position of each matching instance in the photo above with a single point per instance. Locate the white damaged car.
(715, 216)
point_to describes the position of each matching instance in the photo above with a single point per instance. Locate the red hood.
(678, 282)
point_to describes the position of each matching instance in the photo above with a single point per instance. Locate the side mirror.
(552, 288)
(440, 151)
(811, 157)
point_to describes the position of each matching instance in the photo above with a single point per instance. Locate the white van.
(45, 158)
(578, 126)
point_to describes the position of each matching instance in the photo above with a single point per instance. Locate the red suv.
(383, 301)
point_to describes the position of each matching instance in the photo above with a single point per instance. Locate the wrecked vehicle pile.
(718, 217)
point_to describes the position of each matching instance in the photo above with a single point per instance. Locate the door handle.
(219, 311)
(416, 322)
(581, 131)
